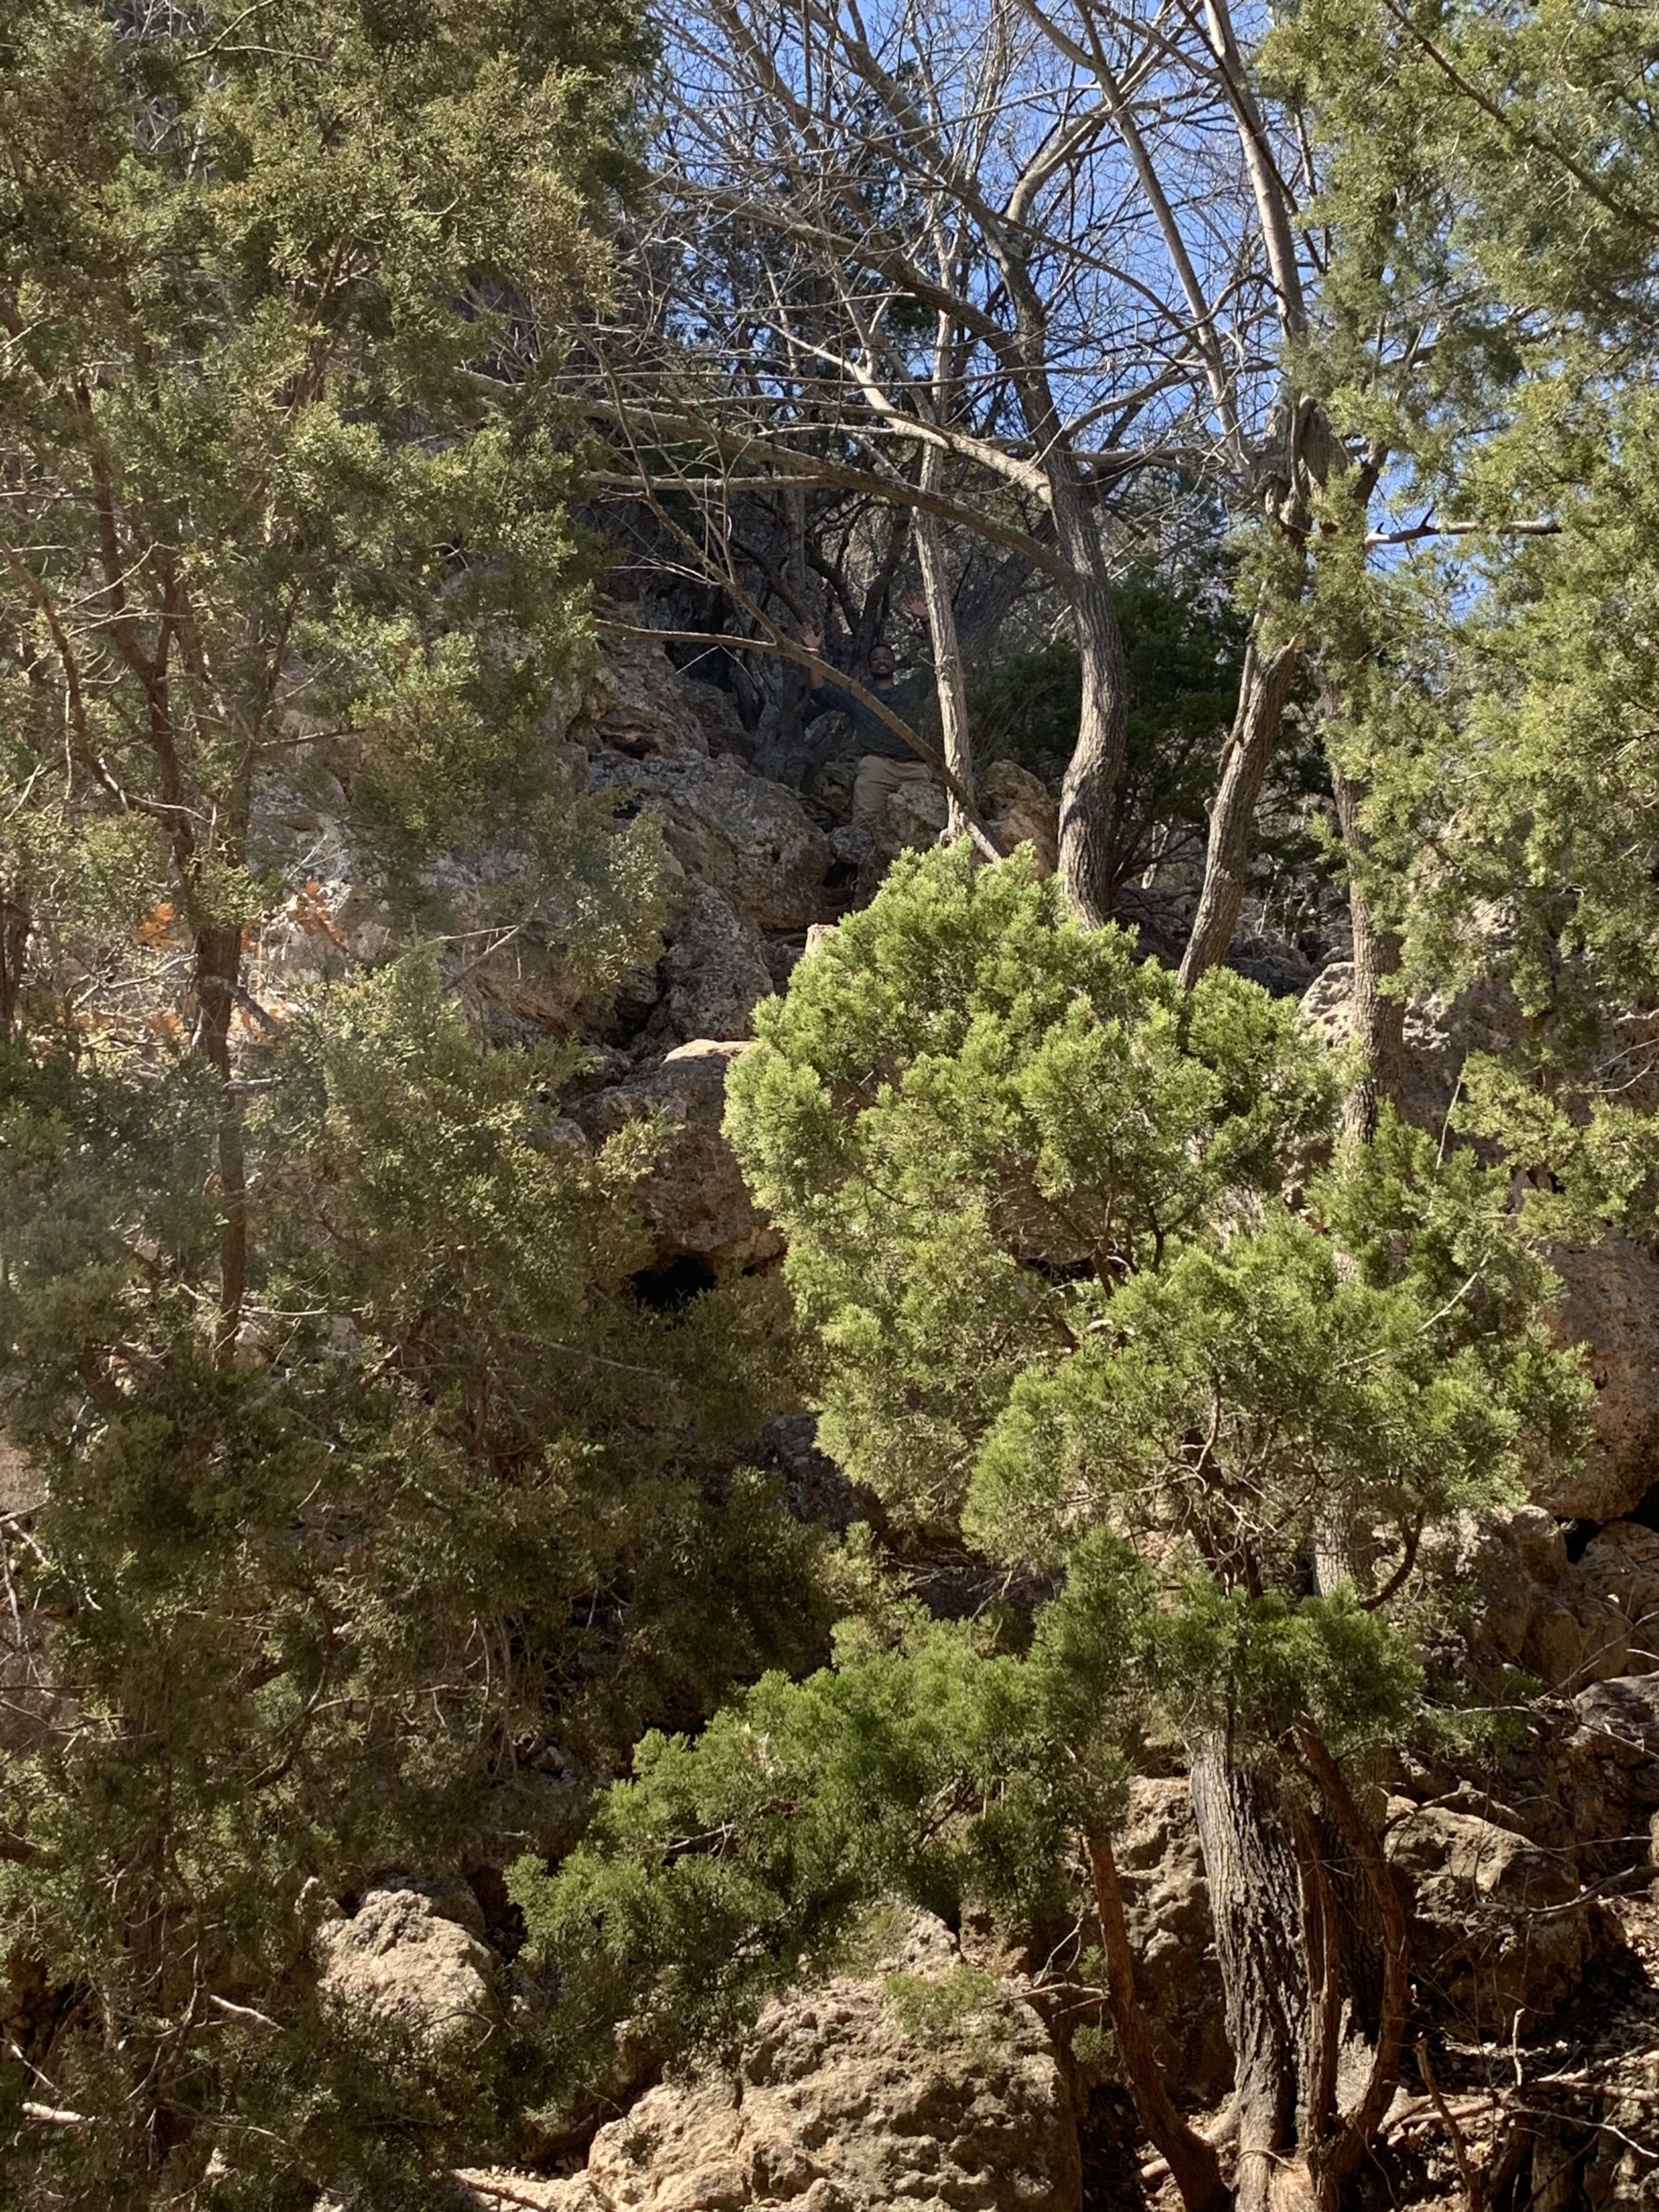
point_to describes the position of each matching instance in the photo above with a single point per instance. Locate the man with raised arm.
(886, 762)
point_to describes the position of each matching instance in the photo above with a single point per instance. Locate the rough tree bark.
(1264, 689)
(1335, 2145)
(218, 978)
(955, 742)
(14, 939)
(1378, 1016)
(1255, 1903)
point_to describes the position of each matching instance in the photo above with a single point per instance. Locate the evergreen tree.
(371, 1490)
(1493, 200)
(1036, 1199)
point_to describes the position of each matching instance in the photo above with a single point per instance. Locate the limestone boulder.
(1018, 810)
(1610, 1304)
(1166, 1904)
(1500, 1924)
(914, 819)
(1440, 1035)
(404, 1956)
(924, 2085)
(635, 702)
(713, 972)
(733, 832)
(695, 1203)
(717, 711)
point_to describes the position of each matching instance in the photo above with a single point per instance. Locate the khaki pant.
(878, 778)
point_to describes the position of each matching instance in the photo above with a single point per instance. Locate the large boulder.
(695, 1202)
(1500, 1925)
(749, 840)
(414, 1956)
(928, 2086)
(1523, 1601)
(1440, 1036)
(1019, 810)
(634, 702)
(1610, 1304)
(713, 974)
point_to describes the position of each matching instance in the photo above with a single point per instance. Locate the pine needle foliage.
(377, 1511)
(1078, 1290)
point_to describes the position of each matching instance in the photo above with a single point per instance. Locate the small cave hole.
(1578, 1536)
(674, 1285)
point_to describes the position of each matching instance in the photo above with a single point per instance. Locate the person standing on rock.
(886, 763)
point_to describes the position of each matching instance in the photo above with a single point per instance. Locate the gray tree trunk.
(1255, 1905)
(1263, 691)
(1379, 1017)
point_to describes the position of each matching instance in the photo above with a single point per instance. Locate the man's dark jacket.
(907, 698)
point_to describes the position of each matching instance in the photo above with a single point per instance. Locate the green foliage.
(1493, 190)
(974, 1118)
(321, 1606)
(734, 1862)
(278, 288)
(961, 2006)
(375, 1503)
(1033, 1200)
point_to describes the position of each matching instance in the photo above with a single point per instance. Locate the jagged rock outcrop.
(635, 703)
(735, 833)
(1525, 1602)
(713, 974)
(1610, 1304)
(695, 1203)
(920, 2085)
(1166, 1901)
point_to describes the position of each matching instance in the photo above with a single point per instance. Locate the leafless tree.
(994, 265)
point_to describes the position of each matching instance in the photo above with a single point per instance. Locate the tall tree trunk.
(13, 940)
(1096, 762)
(1255, 1902)
(1336, 2147)
(955, 742)
(1102, 735)
(218, 979)
(1192, 2160)
(792, 702)
(872, 613)
(1263, 691)
(1378, 1016)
